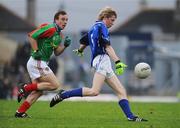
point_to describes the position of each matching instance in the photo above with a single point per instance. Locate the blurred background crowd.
(149, 31)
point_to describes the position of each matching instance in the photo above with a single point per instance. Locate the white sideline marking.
(111, 97)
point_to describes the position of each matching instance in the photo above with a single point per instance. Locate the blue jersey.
(97, 38)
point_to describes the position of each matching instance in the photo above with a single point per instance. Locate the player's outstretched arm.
(79, 51)
(60, 49)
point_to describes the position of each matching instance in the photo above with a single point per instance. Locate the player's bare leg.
(116, 85)
(47, 82)
(21, 112)
(50, 78)
(34, 95)
(98, 82)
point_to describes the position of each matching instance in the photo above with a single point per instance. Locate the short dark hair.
(61, 12)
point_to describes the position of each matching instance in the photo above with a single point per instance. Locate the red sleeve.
(42, 25)
(50, 32)
(43, 31)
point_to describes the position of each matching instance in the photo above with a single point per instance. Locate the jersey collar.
(58, 29)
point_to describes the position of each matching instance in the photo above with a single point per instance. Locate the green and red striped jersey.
(47, 39)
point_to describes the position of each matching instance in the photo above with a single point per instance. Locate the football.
(142, 70)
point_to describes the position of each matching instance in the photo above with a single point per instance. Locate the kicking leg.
(98, 81)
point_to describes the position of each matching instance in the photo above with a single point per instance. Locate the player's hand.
(37, 55)
(120, 66)
(67, 41)
(78, 52)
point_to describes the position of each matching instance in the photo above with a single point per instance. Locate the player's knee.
(122, 93)
(94, 92)
(55, 86)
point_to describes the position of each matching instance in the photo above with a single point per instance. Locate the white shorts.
(37, 68)
(102, 65)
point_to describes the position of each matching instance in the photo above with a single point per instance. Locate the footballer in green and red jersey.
(48, 37)
(45, 40)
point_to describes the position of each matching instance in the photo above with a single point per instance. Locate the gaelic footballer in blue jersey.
(101, 52)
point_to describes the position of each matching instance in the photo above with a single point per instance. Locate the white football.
(142, 70)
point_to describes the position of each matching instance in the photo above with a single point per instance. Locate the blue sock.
(124, 104)
(72, 93)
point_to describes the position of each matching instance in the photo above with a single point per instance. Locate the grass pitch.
(90, 115)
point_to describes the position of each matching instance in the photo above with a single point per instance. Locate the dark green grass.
(90, 115)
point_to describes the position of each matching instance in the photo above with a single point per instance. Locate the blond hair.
(106, 13)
